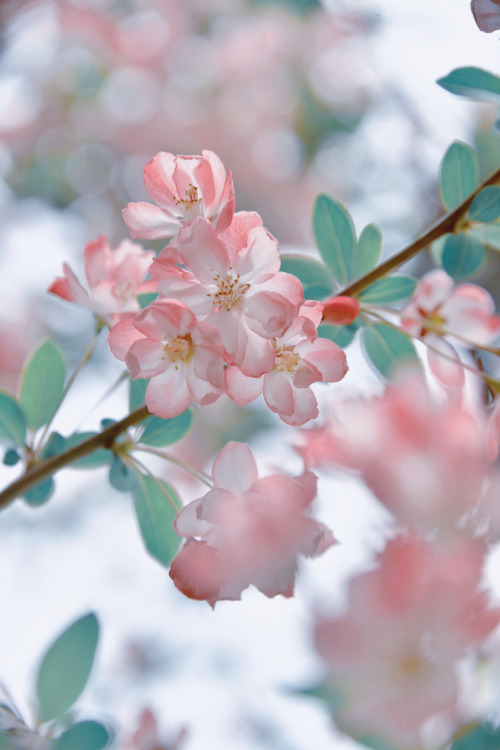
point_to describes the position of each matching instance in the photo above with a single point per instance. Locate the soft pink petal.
(167, 395)
(97, 258)
(235, 468)
(327, 357)
(470, 312)
(235, 237)
(69, 288)
(159, 182)
(240, 388)
(486, 14)
(259, 259)
(212, 181)
(146, 358)
(444, 362)
(278, 393)
(227, 203)
(305, 408)
(121, 337)
(149, 222)
(203, 252)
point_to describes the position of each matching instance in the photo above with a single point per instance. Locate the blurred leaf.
(146, 298)
(12, 420)
(463, 255)
(341, 335)
(486, 205)
(40, 493)
(315, 120)
(335, 236)
(42, 384)
(489, 235)
(156, 514)
(99, 457)
(390, 289)
(160, 432)
(374, 742)
(122, 477)
(137, 393)
(480, 737)
(54, 445)
(66, 667)
(314, 276)
(368, 252)
(473, 83)
(11, 457)
(84, 735)
(388, 348)
(459, 174)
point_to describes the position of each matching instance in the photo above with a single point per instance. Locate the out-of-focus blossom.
(426, 460)
(233, 280)
(181, 355)
(446, 316)
(183, 187)
(301, 358)
(486, 14)
(115, 277)
(147, 737)
(393, 655)
(246, 531)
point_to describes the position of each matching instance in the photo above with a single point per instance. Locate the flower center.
(191, 203)
(229, 290)
(434, 321)
(180, 348)
(287, 360)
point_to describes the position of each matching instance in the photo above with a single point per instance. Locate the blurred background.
(297, 97)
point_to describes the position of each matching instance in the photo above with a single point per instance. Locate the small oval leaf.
(340, 335)
(40, 493)
(463, 255)
(42, 385)
(390, 289)
(314, 276)
(486, 205)
(459, 175)
(12, 420)
(137, 393)
(160, 432)
(154, 502)
(473, 83)
(335, 236)
(84, 735)
(388, 349)
(99, 457)
(368, 251)
(66, 667)
(121, 476)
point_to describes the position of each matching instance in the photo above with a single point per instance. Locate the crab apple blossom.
(464, 314)
(183, 188)
(301, 358)
(233, 280)
(393, 655)
(182, 356)
(115, 277)
(425, 459)
(246, 531)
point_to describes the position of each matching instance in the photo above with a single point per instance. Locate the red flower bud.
(340, 311)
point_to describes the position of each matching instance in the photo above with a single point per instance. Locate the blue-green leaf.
(154, 502)
(390, 289)
(388, 349)
(122, 477)
(335, 236)
(367, 253)
(341, 335)
(42, 385)
(84, 735)
(65, 668)
(473, 83)
(459, 175)
(12, 420)
(54, 445)
(40, 493)
(99, 457)
(11, 457)
(146, 298)
(488, 234)
(315, 277)
(137, 393)
(480, 737)
(463, 255)
(374, 742)
(159, 432)
(486, 205)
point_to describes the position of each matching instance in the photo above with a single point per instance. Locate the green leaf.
(480, 737)
(54, 445)
(368, 252)
(11, 457)
(159, 432)
(390, 289)
(155, 513)
(12, 420)
(65, 668)
(146, 298)
(315, 277)
(486, 205)
(40, 493)
(463, 255)
(42, 385)
(137, 393)
(335, 236)
(374, 742)
(459, 175)
(488, 234)
(341, 335)
(121, 476)
(99, 457)
(388, 348)
(84, 735)
(473, 83)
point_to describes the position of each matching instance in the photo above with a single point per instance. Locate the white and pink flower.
(115, 277)
(181, 355)
(183, 188)
(233, 280)
(301, 358)
(246, 531)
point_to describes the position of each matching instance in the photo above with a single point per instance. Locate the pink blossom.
(233, 281)
(301, 358)
(182, 356)
(115, 277)
(393, 655)
(246, 531)
(147, 736)
(183, 187)
(340, 310)
(464, 314)
(486, 14)
(425, 459)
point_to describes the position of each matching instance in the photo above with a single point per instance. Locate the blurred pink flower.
(246, 531)
(183, 187)
(115, 277)
(146, 737)
(486, 14)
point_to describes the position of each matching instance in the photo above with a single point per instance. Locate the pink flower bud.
(340, 311)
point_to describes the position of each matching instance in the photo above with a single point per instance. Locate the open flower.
(182, 356)
(233, 280)
(246, 531)
(115, 278)
(301, 358)
(183, 187)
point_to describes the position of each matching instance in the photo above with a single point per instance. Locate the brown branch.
(104, 439)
